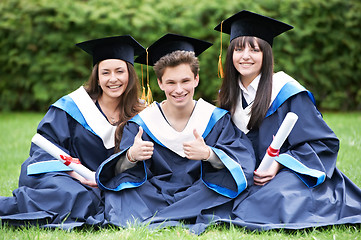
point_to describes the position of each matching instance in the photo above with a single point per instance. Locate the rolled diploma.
(56, 152)
(278, 140)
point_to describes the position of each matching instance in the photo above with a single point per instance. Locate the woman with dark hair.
(230, 90)
(83, 124)
(302, 188)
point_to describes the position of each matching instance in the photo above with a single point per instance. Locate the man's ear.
(160, 84)
(196, 80)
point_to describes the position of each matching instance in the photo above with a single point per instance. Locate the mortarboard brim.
(245, 23)
(118, 47)
(170, 43)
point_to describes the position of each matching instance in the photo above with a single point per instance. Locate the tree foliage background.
(39, 61)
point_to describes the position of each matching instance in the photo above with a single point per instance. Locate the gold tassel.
(143, 95)
(220, 67)
(149, 92)
(143, 92)
(149, 95)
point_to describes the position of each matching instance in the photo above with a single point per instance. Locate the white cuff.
(214, 160)
(123, 164)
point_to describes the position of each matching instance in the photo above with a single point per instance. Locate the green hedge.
(39, 61)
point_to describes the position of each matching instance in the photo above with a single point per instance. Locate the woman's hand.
(82, 179)
(197, 149)
(141, 150)
(261, 178)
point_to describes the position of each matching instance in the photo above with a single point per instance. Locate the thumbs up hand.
(141, 150)
(197, 149)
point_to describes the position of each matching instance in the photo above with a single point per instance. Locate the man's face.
(178, 84)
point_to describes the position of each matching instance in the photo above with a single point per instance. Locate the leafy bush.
(39, 61)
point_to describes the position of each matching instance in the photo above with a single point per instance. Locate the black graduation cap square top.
(245, 23)
(118, 47)
(170, 43)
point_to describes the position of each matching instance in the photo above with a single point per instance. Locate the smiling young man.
(178, 84)
(179, 157)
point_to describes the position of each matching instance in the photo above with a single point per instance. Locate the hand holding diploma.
(83, 180)
(263, 177)
(278, 140)
(63, 157)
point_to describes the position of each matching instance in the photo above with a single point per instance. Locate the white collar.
(249, 93)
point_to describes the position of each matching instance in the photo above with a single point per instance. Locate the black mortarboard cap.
(245, 23)
(170, 43)
(118, 47)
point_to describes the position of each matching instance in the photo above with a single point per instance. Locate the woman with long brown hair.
(83, 124)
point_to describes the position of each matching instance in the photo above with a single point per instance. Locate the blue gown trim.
(288, 90)
(67, 104)
(123, 185)
(311, 177)
(47, 166)
(217, 114)
(236, 172)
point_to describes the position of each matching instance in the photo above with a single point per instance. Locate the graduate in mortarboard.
(303, 188)
(178, 157)
(84, 125)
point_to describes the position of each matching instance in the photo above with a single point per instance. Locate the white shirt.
(249, 93)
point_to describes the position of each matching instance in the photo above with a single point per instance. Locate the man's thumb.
(196, 135)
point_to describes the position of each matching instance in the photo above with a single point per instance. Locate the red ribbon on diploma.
(273, 152)
(69, 160)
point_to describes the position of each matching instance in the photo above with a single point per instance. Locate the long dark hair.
(230, 90)
(129, 104)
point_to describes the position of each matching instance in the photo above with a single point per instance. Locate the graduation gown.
(168, 187)
(309, 191)
(47, 195)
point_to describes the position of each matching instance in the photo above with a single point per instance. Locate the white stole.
(94, 118)
(168, 136)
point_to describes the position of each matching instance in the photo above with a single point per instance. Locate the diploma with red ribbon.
(278, 140)
(63, 157)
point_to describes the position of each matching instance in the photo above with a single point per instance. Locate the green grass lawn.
(17, 129)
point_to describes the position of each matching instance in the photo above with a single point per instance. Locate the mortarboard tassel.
(149, 92)
(149, 95)
(220, 67)
(143, 92)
